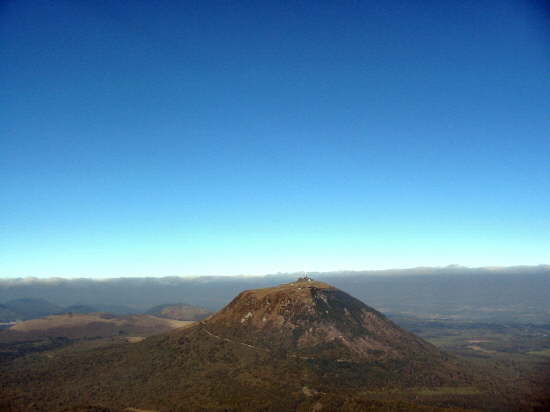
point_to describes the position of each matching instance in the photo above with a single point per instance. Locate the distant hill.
(117, 309)
(82, 309)
(32, 308)
(8, 315)
(179, 311)
(506, 294)
(80, 326)
(303, 346)
(29, 308)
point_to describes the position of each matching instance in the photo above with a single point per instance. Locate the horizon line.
(244, 275)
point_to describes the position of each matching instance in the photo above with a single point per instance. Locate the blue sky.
(238, 137)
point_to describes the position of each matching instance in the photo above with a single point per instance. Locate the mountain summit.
(314, 319)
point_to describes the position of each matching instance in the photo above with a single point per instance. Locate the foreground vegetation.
(219, 365)
(510, 378)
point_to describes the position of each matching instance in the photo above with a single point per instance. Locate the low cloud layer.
(430, 291)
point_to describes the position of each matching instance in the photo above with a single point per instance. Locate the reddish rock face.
(313, 319)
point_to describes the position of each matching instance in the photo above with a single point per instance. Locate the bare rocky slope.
(313, 319)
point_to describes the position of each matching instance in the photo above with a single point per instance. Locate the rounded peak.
(306, 280)
(307, 283)
(311, 318)
(300, 286)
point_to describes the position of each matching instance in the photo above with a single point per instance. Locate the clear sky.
(248, 137)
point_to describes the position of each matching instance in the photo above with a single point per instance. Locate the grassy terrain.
(513, 357)
(245, 379)
(88, 325)
(510, 361)
(544, 352)
(79, 331)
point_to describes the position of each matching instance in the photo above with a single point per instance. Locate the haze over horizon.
(240, 138)
(416, 270)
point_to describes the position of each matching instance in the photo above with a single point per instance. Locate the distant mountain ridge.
(29, 308)
(179, 311)
(87, 326)
(32, 308)
(481, 294)
(81, 309)
(7, 314)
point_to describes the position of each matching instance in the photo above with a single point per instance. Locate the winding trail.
(203, 328)
(232, 341)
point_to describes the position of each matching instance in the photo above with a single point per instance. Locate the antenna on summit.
(305, 278)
